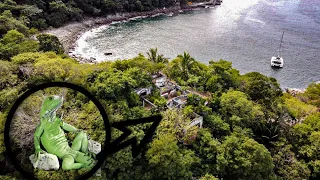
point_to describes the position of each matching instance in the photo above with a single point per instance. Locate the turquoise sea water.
(245, 32)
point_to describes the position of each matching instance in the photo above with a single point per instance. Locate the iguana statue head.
(49, 107)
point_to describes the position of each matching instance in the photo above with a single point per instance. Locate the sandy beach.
(71, 32)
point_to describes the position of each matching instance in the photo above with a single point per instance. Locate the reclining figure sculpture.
(50, 133)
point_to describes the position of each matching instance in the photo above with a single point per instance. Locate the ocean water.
(245, 32)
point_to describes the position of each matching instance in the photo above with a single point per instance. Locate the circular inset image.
(57, 131)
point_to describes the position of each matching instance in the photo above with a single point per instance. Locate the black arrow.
(117, 144)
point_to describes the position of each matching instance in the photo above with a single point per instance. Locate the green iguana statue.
(50, 133)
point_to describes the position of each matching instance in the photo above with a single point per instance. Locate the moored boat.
(277, 61)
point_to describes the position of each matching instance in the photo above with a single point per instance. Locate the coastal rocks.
(46, 162)
(200, 5)
(81, 59)
(85, 60)
(294, 91)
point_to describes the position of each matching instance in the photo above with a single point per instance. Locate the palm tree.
(186, 63)
(161, 59)
(154, 57)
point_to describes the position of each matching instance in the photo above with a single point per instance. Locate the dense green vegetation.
(41, 14)
(251, 130)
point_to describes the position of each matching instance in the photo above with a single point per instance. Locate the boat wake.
(256, 20)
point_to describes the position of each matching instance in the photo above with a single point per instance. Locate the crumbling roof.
(140, 91)
(177, 102)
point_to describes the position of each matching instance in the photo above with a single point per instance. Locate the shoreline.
(71, 32)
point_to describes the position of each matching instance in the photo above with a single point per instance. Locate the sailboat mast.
(280, 44)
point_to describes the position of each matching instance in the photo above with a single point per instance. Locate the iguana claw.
(37, 156)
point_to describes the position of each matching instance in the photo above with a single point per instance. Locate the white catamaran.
(278, 61)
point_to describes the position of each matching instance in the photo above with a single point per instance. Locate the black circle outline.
(101, 156)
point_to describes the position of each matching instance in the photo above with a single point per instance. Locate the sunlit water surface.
(246, 32)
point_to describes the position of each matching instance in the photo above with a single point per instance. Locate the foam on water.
(84, 49)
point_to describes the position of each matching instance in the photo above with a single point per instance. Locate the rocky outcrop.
(94, 147)
(49, 161)
(46, 162)
(294, 91)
